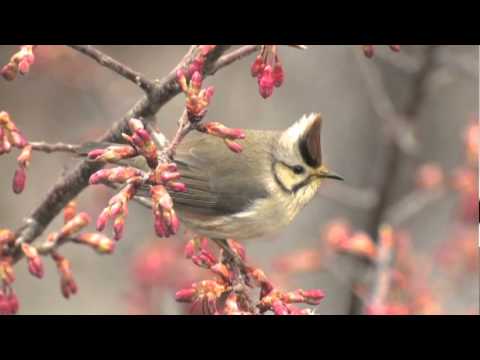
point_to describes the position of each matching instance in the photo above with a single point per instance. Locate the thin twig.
(184, 127)
(233, 56)
(58, 147)
(116, 66)
(383, 275)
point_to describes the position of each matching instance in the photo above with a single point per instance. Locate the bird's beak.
(324, 173)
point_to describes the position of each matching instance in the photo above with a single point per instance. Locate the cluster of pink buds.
(227, 134)
(190, 81)
(369, 50)
(198, 63)
(197, 98)
(8, 301)
(68, 284)
(73, 224)
(160, 177)
(118, 209)
(8, 298)
(113, 153)
(227, 294)
(10, 136)
(142, 141)
(35, 263)
(120, 175)
(20, 62)
(268, 70)
(7, 236)
(166, 222)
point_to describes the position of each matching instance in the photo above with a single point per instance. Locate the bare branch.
(383, 275)
(74, 182)
(392, 157)
(58, 147)
(232, 56)
(116, 66)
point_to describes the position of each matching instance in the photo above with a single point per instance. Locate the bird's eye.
(298, 169)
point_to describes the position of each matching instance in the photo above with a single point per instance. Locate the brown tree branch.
(74, 182)
(116, 66)
(231, 57)
(392, 154)
(58, 147)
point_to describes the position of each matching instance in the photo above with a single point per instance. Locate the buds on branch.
(19, 63)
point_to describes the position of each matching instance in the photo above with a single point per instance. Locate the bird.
(250, 194)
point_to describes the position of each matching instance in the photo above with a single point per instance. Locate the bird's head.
(297, 159)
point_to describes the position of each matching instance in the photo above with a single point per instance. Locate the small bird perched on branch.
(253, 193)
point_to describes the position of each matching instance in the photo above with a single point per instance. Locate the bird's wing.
(220, 182)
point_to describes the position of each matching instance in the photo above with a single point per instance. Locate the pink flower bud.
(209, 92)
(169, 176)
(395, 48)
(135, 125)
(6, 236)
(233, 146)
(206, 49)
(257, 66)
(9, 71)
(237, 248)
(177, 186)
(24, 66)
(73, 226)
(279, 308)
(312, 297)
(182, 80)
(19, 180)
(159, 225)
(94, 154)
(222, 271)
(6, 271)
(368, 50)
(68, 286)
(18, 140)
(197, 65)
(186, 295)
(8, 303)
(118, 227)
(196, 81)
(102, 219)
(98, 242)
(190, 248)
(175, 223)
(35, 264)
(266, 82)
(278, 75)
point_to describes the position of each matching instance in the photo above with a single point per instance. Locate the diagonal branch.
(58, 147)
(116, 66)
(74, 182)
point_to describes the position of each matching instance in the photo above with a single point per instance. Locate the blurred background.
(385, 118)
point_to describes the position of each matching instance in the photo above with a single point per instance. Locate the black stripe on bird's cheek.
(296, 187)
(301, 184)
(279, 182)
